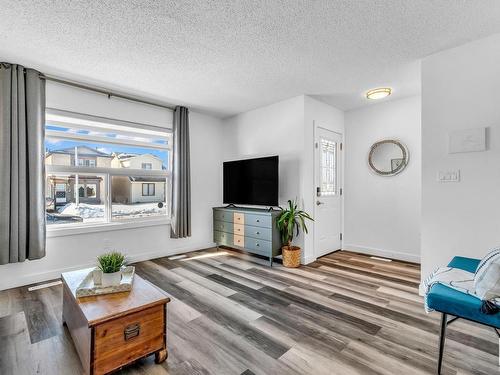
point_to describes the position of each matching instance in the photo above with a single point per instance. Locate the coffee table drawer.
(128, 338)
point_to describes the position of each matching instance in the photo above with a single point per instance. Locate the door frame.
(341, 186)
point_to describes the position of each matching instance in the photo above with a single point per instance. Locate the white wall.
(460, 90)
(77, 251)
(286, 129)
(276, 129)
(382, 214)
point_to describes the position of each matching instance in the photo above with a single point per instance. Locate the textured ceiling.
(226, 57)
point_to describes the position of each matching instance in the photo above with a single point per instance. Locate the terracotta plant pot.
(291, 256)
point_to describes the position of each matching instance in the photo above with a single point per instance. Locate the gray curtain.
(22, 172)
(181, 176)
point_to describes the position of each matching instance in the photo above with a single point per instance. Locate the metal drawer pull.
(131, 331)
(258, 221)
(257, 232)
(257, 244)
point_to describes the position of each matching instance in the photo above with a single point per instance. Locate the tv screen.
(251, 181)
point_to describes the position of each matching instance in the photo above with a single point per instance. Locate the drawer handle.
(258, 221)
(257, 232)
(257, 244)
(131, 331)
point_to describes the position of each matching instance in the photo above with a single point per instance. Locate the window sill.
(71, 229)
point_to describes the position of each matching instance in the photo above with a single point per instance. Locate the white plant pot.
(111, 279)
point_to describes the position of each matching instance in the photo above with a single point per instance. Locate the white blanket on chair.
(454, 278)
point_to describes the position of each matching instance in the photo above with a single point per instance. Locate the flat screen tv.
(252, 181)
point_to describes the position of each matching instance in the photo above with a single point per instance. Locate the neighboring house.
(91, 189)
(62, 190)
(132, 189)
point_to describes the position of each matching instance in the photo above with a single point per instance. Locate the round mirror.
(388, 157)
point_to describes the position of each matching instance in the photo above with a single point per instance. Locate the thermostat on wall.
(467, 140)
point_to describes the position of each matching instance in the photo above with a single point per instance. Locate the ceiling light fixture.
(378, 93)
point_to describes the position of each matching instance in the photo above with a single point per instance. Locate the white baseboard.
(309, 259)
(382, 253)
(56, 273)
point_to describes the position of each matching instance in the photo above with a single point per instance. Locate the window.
(148, 190)
(100, 170)
(328, 167)
(86, 162)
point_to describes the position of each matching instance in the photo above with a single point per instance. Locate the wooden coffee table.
(113, 330)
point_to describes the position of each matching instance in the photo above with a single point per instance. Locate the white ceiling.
(225, 57)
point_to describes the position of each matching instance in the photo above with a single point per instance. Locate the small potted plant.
(289, 222)
(111, 266)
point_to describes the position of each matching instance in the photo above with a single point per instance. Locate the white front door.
(328, 185)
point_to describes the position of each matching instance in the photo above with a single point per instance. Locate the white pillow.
(487, 285)
(492, 257)
(487, 276)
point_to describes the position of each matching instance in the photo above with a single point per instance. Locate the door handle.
(319, 203)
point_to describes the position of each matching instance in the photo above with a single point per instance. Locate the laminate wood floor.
(231, 314)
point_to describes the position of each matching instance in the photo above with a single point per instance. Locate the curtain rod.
(106, 92)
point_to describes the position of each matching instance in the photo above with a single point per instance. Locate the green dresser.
(250, 229)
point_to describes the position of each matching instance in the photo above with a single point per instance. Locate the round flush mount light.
(378, 93)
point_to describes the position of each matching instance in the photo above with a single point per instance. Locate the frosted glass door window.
(328, 167)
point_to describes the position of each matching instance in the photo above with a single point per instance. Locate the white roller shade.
(68, 98)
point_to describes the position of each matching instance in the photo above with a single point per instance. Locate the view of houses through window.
(98, 172)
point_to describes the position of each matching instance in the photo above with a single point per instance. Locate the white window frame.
(147, 166)
(81, 121)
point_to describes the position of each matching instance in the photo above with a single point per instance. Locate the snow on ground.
(84, 210)
(92, 211)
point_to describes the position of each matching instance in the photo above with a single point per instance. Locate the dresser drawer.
(125, 339)
(223, 226)
(239, 218)
(258, 246)
(223, 216)
(223, 238)
(258, 220)
(239, 240)
(259, 233)
(239, 229)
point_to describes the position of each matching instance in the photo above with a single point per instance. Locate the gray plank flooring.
(231, 314)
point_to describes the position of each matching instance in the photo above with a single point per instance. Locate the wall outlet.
(449, 176)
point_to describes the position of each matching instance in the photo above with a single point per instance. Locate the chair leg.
(442, 337)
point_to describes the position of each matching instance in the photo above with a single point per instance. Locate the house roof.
(147, 179)
(125, 156)
(82, 151)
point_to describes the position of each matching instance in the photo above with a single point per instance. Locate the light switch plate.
(449, 176)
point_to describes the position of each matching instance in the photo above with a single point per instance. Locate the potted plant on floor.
(111, 266)
(289, 222)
